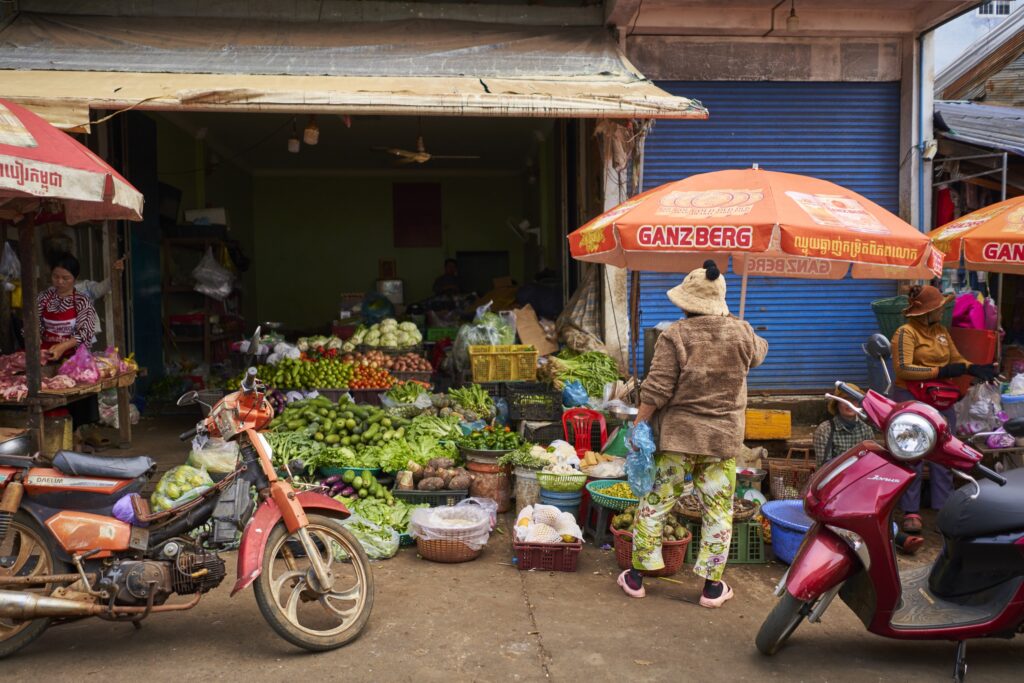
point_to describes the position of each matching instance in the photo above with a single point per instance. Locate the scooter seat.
(997, 510)
(83, 465)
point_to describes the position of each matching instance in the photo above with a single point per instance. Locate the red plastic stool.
(582, 422)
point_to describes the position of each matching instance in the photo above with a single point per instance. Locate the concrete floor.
(486, 621)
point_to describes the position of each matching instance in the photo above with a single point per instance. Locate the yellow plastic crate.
(769, 424)
(510, 363)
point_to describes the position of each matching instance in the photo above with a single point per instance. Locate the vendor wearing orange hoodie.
(923, 351)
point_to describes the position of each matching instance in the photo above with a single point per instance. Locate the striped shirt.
(85, 315)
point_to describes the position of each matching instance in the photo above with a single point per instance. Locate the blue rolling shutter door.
(847, 133)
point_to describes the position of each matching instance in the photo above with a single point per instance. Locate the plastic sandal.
(911, 545)
(631, 592)
(715, 603)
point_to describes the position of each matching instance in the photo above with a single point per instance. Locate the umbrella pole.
(743, 289)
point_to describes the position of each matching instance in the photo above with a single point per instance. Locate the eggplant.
(348, 490)
(331, 480)
(337, 489)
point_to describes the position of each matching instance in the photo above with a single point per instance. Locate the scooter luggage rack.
(788, 476)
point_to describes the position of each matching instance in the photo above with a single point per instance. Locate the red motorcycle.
(64, 556)
(975, 589)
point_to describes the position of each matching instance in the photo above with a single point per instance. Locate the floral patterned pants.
(714, 482)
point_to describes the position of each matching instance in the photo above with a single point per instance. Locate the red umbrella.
(37, 161)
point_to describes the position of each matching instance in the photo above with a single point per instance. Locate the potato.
(459, 483)
(431, 484)
(441, 463)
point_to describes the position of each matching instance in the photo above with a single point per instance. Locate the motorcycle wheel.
(26, 550)
(780, 624)
(315, 620)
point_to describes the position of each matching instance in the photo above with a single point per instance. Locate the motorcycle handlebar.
(980, 470)
(190, 434)
(849, 391)
(249, 381)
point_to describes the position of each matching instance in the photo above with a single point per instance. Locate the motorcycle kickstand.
(960, 667)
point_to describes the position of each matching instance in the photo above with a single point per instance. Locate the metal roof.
(983, 125)
(982, 59)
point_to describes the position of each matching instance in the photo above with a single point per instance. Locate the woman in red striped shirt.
(66, 317)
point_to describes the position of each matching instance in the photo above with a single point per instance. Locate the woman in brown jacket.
(695, 396)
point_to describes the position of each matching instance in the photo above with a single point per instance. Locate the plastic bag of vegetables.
(379, 542)
(179, 485)
(215, 455)
(488, 329)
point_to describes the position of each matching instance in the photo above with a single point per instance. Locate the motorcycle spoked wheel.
(26, 551)
(310, 619)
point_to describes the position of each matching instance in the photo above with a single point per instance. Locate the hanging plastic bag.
(10, 266)
(1000, 440)
(640, 461)
(573, 394)
(216, 456)
(979, 410)
(179, 485)
(213, 279)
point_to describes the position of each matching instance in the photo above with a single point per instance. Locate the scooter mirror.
(1014, 427)
(254, 345)
(188, 398)
(878, 347)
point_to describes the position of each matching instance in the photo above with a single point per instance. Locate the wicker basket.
(788, 477)
(672, 552)
(689, 507)
(561, 483)
(447, 551)
(610, 502)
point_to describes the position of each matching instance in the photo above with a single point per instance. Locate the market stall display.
(387, 334)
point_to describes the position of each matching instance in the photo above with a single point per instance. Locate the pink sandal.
(715, 603)
(640, 592)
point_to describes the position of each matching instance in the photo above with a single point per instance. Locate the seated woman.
(840, 433)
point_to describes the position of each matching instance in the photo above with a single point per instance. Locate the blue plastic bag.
(573, 394)
(640, 461)
(501, 412)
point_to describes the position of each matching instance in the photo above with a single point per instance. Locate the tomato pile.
(368, 377)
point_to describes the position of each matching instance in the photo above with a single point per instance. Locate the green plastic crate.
(747, 545)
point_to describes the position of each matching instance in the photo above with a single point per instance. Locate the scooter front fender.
(254, 540)
(823, 562)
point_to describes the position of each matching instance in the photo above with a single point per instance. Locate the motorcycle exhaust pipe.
(25, 606)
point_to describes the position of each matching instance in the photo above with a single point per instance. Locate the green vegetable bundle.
(472, 397)
(592, 369)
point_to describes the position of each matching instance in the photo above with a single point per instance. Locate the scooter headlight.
(910, 436)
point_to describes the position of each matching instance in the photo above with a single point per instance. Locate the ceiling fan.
(420, 155)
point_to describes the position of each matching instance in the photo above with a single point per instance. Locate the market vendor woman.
(66, 317)
(695, 397)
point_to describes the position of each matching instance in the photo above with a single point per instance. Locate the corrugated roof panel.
(847, 133)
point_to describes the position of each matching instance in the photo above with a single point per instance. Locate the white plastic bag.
(379, 542)
(216, 455)
(979, 410)
(468, 524)
(213, 279)
(10, 266)
(1017, 385)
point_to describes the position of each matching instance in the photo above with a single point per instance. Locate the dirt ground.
(487, 621)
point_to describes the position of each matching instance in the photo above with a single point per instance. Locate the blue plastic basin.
(789, 525)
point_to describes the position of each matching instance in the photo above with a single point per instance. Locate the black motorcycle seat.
(997, 510)
(83, 465)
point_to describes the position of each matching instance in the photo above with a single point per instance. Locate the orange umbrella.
(990, 239)
(770, 223)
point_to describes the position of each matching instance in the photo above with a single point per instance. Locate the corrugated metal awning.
(62, 66)
(983, 125)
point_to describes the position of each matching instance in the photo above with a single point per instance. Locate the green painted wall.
(316, 237)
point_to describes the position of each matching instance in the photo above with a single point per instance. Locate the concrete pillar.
(917, 106)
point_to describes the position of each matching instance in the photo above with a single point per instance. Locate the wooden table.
(60, 398)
